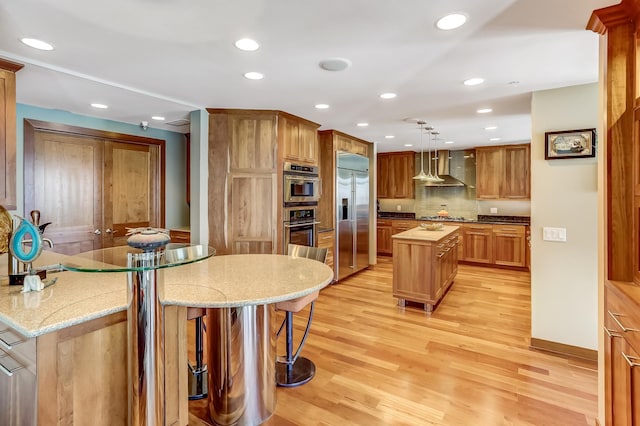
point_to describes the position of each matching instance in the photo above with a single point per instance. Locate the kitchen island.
(425, 263)
(75, 333)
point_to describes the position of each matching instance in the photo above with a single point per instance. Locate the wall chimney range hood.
(442, 163)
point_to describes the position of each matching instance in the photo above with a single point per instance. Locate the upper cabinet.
(8, 71)
(503, 172)
(299, 139)
(395, 175)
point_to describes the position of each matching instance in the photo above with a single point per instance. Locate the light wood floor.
(468, 363)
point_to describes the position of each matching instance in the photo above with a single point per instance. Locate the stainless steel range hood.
(443, 164)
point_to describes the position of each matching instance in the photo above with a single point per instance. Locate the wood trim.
(562, 349)
(91, 326)
(8, 65)
(603, 19)
(345, 135)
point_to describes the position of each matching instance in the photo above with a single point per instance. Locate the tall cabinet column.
(8, 71)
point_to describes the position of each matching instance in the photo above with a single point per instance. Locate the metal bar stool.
(292, 369)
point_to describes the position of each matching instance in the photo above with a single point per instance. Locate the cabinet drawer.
(509, 229)
(384, 222)
(622, 316)
(325, 239)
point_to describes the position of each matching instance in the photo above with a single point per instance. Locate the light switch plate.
(493, 210)
(554, 234)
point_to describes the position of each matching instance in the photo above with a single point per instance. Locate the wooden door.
(291, 140)
(66, 186)
(308, 139)
(489, 172)
(478, 245)
(131, 195)
(509, 245)
(384, 179)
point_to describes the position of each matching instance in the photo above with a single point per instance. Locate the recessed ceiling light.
(99, 106)
(388, 95)
(408, 144)
(494, 139)
(36, 44)
(362, 124)
(254, 75)
(321, 106)
(449, 142)
(247, 44)
(389, 137)
(484, 111)
(473, 81)
(514, 83)
(451, 21)
(157, 117)
(491, 127)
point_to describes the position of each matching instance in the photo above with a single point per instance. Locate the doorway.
(91, 185)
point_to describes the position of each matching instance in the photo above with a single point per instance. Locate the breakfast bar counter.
(237, 290)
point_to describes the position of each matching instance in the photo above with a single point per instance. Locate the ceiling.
(170, 57)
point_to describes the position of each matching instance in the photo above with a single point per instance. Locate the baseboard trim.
(562, 349)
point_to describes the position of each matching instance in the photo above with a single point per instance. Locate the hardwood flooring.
(467, 363)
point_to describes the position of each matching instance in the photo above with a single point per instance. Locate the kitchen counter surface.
(220, 281)
(485, 219)
(423, 234)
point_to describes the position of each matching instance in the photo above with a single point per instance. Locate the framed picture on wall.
(570, 144)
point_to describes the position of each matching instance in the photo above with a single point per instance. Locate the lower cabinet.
(383, 237)
(180, 236)
(327, 240)
(478, 243)
(622, 355)
(78, 375)
(509, 243)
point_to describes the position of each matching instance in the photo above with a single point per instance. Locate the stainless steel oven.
(300, 226)
(301, 184)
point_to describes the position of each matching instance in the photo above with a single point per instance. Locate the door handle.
(97, 232)
(110, 231)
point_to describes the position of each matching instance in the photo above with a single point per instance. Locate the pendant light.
(436, 178)
(430, 177)
(421, 176)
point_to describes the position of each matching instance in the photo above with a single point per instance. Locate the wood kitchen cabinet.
(509, 245)
(395, 175)
(299, 139)
(383, 237)
(327, 239)
(622, 354)
(478, 242)
(180, 236)
(503, 172)
(8, 71)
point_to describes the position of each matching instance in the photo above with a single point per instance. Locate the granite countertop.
(423, 234)
(220, 281)
(486, 219)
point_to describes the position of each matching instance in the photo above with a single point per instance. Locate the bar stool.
(292, 369)
(198, 383)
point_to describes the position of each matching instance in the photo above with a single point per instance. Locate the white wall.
(564, 280)
(199, 175)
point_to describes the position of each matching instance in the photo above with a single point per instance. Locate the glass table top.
(125, 258)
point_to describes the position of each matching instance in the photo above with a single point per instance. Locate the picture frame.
(565, 144)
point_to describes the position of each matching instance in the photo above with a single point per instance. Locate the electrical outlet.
(399, 207)
(554, 234)
(494, 210)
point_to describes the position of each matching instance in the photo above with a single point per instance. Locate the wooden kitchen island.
(425, 264)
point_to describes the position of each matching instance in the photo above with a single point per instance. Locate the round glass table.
(145, 319)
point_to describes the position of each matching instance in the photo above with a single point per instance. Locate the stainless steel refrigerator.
(352, 210)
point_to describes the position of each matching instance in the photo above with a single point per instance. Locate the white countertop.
(423, 234)
(220, 281)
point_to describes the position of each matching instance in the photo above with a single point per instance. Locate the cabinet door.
(327, 240)
(252, 147)
(308, 143)
(517, 181)
(509, 244)
(7, 138)
(384, 180)
(291, 140)
(478, 245)
(383, 238)
(623, 370)
(402, 170)
(489, 172)
(252, 217)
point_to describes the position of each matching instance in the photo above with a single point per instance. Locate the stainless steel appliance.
(300, 226)
(301, 184)
(352, 209)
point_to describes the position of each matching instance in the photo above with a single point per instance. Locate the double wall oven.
(301, 186)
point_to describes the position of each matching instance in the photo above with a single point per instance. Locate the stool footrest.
(296, 374)
(198, 382)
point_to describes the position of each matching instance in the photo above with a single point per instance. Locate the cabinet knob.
(110, 231)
